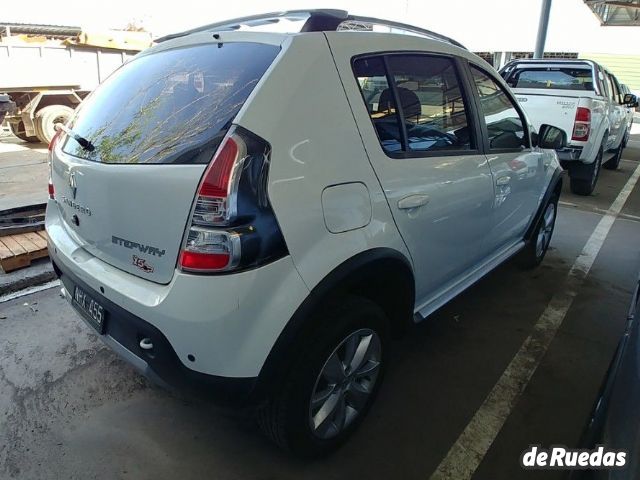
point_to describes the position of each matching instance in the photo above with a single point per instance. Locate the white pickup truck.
(585, 100)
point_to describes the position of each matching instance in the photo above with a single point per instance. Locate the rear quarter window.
(173, 106)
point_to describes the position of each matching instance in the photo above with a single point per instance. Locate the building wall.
(626, 68)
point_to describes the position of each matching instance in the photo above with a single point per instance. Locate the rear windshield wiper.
(84, 143)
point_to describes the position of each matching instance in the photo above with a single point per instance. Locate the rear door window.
(432, 114)
(613, 88)
(432, 103)
(173, 106)
(378, 97)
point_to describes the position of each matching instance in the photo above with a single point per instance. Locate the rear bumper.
(161, 365)
(569, 154)
(207, 330)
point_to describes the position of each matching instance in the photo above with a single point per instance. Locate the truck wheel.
(18, 130)
(47, 117)
(614, 162)
(581, 186)
(625, 139)
(332, 383)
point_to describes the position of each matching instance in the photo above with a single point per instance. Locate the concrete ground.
(70, 409)
(23, 172)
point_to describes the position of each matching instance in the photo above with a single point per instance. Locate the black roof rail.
(318, 20)
(423, 32)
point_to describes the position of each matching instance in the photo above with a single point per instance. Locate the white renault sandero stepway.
(252, 215)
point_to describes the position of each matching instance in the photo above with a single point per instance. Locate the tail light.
(232, 225)
(54, 139)
(582, 125)
(52, 145)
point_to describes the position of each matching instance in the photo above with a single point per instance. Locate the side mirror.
(551, 137)
(630, 100)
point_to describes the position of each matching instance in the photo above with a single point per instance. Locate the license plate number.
(93, 311)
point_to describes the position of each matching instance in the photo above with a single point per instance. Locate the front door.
(518, 170)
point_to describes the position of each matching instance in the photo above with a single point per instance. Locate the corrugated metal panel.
(626, 68)
(616, 12)
(33, 29)
(33, 66)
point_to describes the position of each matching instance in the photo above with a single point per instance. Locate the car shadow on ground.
(11, 139)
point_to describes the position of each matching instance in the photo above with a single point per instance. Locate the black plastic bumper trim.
(569, 153)
(123, 332)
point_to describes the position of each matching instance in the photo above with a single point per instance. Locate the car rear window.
(557, 78)
(169, 107)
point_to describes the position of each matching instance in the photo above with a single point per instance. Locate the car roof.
(319, 20)
(371, 42)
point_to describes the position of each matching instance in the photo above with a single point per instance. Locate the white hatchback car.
(252, 214)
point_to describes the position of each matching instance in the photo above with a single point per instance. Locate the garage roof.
(616, 12)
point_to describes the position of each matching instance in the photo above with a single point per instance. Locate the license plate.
(93, 311)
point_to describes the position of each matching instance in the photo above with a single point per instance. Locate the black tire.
(47, 117)
(18, 130)
(625, 139)
(585, 187)
(614, 162)
(37, 127)
(287, 414)
(533, 253)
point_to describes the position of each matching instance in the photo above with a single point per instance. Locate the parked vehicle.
(47, 80)
(582, 98)
(254, 214)
(631, 109)
(615, 420)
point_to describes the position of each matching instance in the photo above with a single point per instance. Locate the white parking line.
(467, 452)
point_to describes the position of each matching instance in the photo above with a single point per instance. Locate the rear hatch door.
(148, 133)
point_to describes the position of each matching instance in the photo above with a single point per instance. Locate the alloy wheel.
(546, 230)
(596, 170)
(345, 383)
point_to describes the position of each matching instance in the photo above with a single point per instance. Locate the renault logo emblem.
(72, 184)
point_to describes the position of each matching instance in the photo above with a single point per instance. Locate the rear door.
(417, 127)
(617, 112)
(125, 180)
(518, 170)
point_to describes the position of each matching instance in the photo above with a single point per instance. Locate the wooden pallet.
(17, 251)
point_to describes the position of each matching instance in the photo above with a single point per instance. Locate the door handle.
(413, 201)
(502, 181)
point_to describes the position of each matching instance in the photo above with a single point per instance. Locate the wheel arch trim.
(346, 278)
(555, 185)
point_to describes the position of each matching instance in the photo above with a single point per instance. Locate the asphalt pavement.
(24, 172)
